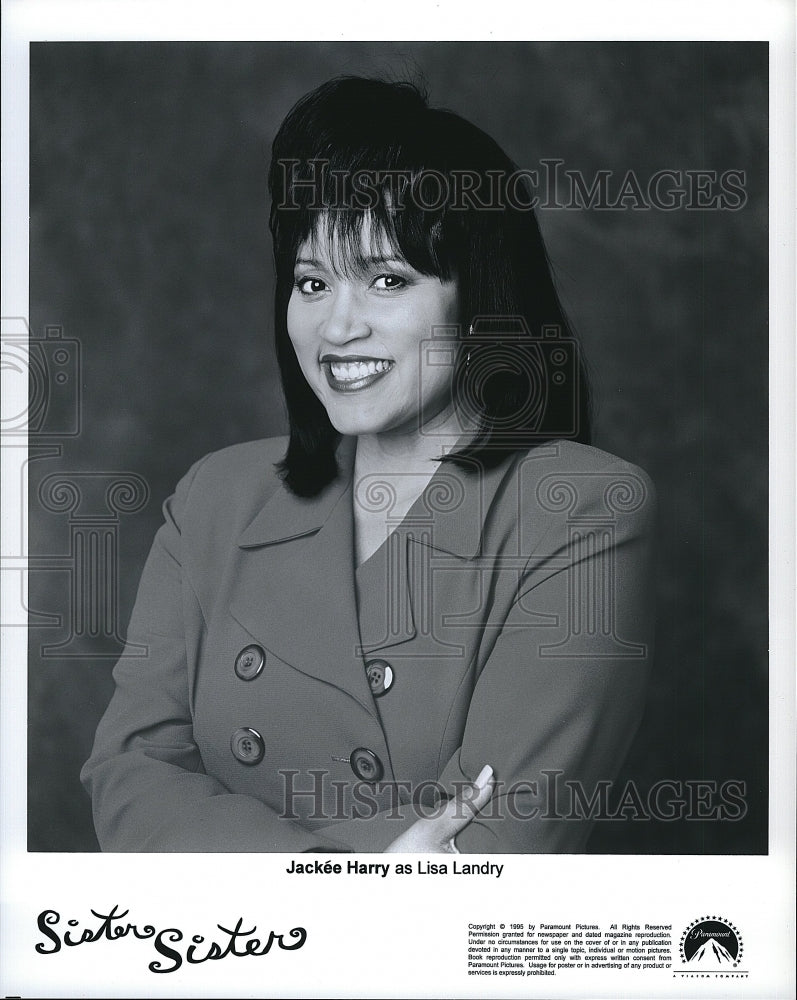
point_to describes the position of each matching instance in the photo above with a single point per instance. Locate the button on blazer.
(275, 698)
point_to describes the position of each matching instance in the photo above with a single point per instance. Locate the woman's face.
(361, 337)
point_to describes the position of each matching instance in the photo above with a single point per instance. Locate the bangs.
(363, 171)
(358, 214)
(355, 150)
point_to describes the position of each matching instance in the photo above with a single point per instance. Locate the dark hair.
(357, 146)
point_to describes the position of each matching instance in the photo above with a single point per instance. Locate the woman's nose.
(346, 319)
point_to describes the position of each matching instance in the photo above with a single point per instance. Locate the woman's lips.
(354, 374)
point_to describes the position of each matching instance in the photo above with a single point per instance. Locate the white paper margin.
(374, 937)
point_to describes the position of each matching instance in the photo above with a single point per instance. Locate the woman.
(425, 624)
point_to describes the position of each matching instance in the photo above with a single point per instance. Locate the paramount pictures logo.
(710, 948)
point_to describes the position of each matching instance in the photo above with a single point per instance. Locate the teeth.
(349, 371)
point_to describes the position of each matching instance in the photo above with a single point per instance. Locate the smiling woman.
(359, 335)
(407, 622)
(354, 331)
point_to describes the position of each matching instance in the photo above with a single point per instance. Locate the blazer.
(288, 702)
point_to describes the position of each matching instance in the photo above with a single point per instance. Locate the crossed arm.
(534, 717)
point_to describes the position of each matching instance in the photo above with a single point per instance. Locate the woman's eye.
(389, 282)
(310, 286)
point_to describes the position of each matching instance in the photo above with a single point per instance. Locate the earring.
(467, 356)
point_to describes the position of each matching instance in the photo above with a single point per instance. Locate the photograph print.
(398, 447)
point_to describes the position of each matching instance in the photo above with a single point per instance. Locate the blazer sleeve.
(555, 707)
(145, 775)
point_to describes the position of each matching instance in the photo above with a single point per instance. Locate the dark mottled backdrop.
(149, 247)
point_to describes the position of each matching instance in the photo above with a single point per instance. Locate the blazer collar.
(296, 591)
(286, 516)
(453, 506)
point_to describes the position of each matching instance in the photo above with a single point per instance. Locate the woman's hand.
(436, 834)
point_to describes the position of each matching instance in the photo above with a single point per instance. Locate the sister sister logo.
(168, 942)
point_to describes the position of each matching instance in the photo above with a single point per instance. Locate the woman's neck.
(416, 453)
(390, 473)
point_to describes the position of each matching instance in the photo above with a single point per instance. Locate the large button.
(249, 662)
(247, 745)
(366, 765)
(380, 676)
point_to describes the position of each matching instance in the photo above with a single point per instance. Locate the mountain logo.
(711, 944)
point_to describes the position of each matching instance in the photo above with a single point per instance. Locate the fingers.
(484, 784)
(460, 810)
(435, 834)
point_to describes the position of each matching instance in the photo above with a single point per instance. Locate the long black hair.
(452, 204)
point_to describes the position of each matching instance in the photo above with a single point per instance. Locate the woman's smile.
(353, 373)
(363, 335)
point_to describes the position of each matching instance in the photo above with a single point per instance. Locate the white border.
(756, 892)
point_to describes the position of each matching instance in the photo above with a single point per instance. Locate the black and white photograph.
(484, 486)
(389, 424)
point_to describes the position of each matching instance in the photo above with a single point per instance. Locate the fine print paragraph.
(543, 949)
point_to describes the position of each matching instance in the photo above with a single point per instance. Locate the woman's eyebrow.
(379, 260)
(375, 260)
(308, 262)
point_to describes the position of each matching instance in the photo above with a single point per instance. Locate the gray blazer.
(287, 702)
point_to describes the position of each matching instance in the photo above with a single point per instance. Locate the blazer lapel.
(295, 591)
(296, 587)
(396, 581)
(431, 561)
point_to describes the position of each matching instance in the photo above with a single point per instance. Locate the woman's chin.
(360, 423)
(353, 427)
